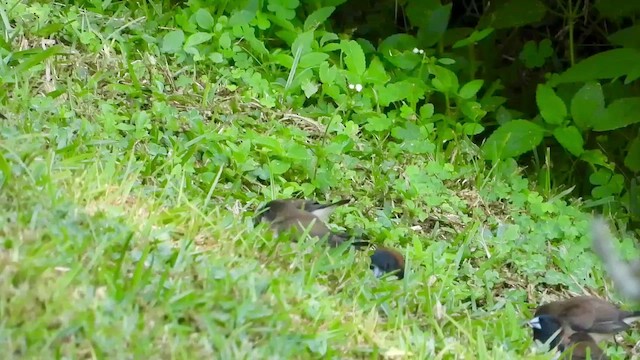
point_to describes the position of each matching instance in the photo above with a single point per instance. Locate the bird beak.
(534, 323)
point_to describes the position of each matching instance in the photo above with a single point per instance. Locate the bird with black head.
(557, 322)
(387, 261)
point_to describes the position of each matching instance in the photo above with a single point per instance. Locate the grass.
(126, 199)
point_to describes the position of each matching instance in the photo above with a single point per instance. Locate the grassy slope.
(124, 237)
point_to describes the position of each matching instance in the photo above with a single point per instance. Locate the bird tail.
(341, 202)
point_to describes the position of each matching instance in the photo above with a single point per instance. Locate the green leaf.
(327, 72)
(427, 110)
(475, 37)
(445, 80)
(432, 27)
(278, 167)
(472, 129)
(534, 55)
(284, 9)
(398, 50)
(34, 57)
(587, 106)
(512, 139)
(632, 160)
(197, 39)
(595, 157)
(376, 73)
(620, 113)
(627, 37)
(302, 43)
(473, 110)
(516, 13)
(310, 88)
(5, 168)
(470, 89)
(605, 65)
(354, 57)
(244, 16)
(552, 108)
(378, 123)
(204, 19)
(318, 17)
(312, 60)
(616, 9)
(570, 138)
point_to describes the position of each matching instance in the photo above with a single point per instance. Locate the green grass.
(125, 221)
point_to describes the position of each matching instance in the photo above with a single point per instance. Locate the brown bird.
(386, 260)
(576, 347)
(598, 318)
(298, 215)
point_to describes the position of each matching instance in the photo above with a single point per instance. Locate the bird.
(322, 211)
(386, 260)
(298, 215)
(597, 318)
(576, 347)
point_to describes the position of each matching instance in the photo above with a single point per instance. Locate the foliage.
(137, 135)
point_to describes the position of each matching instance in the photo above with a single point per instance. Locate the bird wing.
(597, 316)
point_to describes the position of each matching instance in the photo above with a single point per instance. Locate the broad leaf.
(512, 139)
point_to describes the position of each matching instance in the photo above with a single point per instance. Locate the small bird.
(598, 318)
(385, 260)
(578, 345)
(298, 215)
(322, 211)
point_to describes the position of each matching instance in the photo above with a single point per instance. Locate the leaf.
(517, 13)
(570, 138)
(204, 19)
(512, 139)
(327, 72)
(595, 157)
(471, 129)
(627, 37)
(473, 38)
(197, 39)
(632, 160)
(284, 9)
(605, 65)
(398, 50)
(34, 57)
(552, 108)
(616, 9)
(620, 113)
(432, 27)
(312, 59)
(378, 123)
(445, 80)
(587, 105)
(309, 88)
(278, 167)
(470, 89)
(354, 57)
(244, 16)
(318, 17)
(302, 43)
(473, 110)
(427, 110)
(5, 168)
(376, 73)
